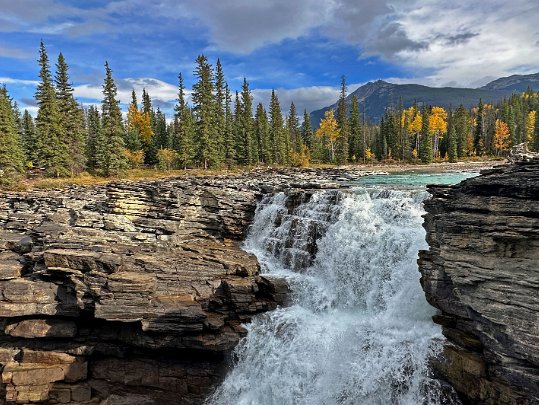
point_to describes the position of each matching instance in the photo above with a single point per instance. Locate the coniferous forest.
(221, 128)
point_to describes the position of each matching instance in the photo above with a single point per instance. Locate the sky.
(300, 48)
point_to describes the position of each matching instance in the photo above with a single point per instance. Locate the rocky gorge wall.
(129, 292)
(482, 273)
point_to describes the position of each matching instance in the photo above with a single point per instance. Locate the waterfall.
(358, 329)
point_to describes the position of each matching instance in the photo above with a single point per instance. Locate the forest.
(220, 128)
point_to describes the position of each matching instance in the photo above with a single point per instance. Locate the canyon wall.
(129, 292)
(482, 273)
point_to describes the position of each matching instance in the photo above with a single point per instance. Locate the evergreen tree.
(307, 130)
(479, 141)
(110, 157)
(262, 134)
(294, 132)
(94, 137)
(344, 129)
(426, 138)
(355, 144)
(184, 128)
(71, 118)
(51, 149)
(535, 143)
(239, 145)
(276, 133)
(220, 114)
(29, 137)
(204, 110)
(249, 150)
(229, 144)
(11, 151)
(160, 139)
(460, 123)
(452, 141)
(147, 129)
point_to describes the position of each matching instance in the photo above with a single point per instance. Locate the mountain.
(374, 97)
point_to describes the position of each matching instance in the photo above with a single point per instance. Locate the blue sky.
(301, 47)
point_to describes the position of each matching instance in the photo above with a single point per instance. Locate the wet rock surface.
(482, 273)
(131, 292)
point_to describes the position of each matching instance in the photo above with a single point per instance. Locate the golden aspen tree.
(329, 132)
(502, 137)
(437, 126)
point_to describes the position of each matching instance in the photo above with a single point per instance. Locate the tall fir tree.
(11, 152)
(134, 120)
(460, 121)
(452, 141)
(220, 114)
(203, 106)
(71, 118)
(307, 130)
(249, 144)
(276, 132)
(29, 137)
(94, 136)
(427, 152)
(51, 149)
(344, 128)
(294, 132)
(262, 134)
(160, 139)
(229, 144)
(479, 139)
(110, 157)
(239, 145)
(355, 144)
(148, 129)
(184, 127)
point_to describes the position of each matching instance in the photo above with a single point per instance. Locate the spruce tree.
(147, 129)
(229, 144)
(460, 120)
(307, 130)
(71, 118)
(11, 151)
(344, 128)
(184, 127)
(220, 114)
(110, 157)
(262, 134)
(94, 136)
(203, 106)
(29, 137)
(479, 141)
(276, 133)
(51, 149)
(239, 144)
(294, 132)
(355, 144)
(426, 138)
(160, 139)
(250, 146)
(132, 134)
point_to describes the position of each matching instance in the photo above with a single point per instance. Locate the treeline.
(427, 133)
(220, 128)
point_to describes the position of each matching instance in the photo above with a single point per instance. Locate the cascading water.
(358, 330)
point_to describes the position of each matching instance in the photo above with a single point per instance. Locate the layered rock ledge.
(482, 273)
(130, 292)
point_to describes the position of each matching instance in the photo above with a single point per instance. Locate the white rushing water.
(358, 329)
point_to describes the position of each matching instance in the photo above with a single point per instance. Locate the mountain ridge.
(375, 96)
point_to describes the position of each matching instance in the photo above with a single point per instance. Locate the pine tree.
(134, 118)
(71, 118)
(239, 145)
(220, 114)
(147, 129)
(250, 146)
(262, 134)
(94, 137)
(452, 142)
(29, 137)
(203, 102)
(229, 144)
(11, 152)
(294, 132)
(426, 138)
(479, 141)
(160, 139)
(276, 134)
(110, 157)
(184, 127)
(51, 149)
(344, 128)
(307, 130)
(460, 120)
(355, 145)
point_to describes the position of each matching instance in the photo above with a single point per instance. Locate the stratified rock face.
(126, 292)
(482, 272)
